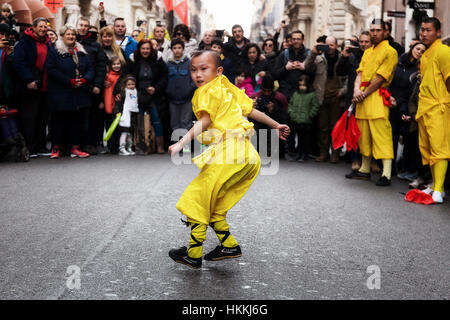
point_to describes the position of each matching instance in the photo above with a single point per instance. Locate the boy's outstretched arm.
(283, 129)
(201, 125)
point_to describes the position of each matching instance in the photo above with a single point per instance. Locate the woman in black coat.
(252, 63)
(151, 74)
(69, 74)
(401, 89)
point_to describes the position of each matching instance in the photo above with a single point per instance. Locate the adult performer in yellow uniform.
(433, 113)
(228, 167)
(375, 73)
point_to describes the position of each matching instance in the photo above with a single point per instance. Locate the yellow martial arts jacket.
(227, 107)
(434, 70)
(381, 60)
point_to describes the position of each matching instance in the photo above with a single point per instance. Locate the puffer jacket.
(303, 107)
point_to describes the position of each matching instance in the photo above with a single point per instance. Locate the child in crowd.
(244, 81)
(128, 107)
(112, 78)
(220, 109)
(303, 107)
(180, 88)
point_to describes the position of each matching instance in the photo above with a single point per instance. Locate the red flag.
(53, 5)
(182, 10)
(169, 5)
(346, 131)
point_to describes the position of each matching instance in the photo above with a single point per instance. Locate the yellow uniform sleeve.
(246, 104)
(387, 67)
(207, 100)
(443, 58)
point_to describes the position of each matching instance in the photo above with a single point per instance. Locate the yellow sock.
(439, 170)
(387, 168)
(198, 235)
(222, 230)
(365, 165)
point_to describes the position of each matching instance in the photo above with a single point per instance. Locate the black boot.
(181, 256)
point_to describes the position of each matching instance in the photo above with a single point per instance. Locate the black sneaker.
(383, 182)
(358, 175)
(221, 252)
(180, 255)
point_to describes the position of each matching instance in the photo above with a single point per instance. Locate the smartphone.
(219, 33)
(323, 47)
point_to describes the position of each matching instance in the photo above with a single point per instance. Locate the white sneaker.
(131, 152)
(428, 190)
(123, 152)
(438, 197)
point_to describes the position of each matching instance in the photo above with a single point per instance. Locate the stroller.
(12, 144)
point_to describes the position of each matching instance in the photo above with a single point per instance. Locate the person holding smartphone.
(333, 89)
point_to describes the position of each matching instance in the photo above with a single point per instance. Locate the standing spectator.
(290, 65)
(401, 90)
(274, 104)
(6, 67)
(151, 82)
(227, 65)
(347, 65)
(91, 116)
(30, 55)
(8, 15)
(208, 37)
(126, 43)
(375, 73)
(244, 81)
(180, 89)
(270, 52)
(128, 107)
(303, 107)
(255, 68)
(108, 42)
(182, 32)
(159, 33)
(235, 46)
(70, 73)
(433, 113)
(334, 92)
(397, 46)
(52, 36)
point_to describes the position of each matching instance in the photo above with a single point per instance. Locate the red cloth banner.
(182, 10)
(54, 5)
(169, 5)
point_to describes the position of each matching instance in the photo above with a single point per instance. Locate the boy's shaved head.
(213, 54)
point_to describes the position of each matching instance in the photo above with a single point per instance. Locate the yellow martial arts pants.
(376, 138)
(434, 135)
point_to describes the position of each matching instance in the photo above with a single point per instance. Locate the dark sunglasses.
(179, 33)
(268, 45)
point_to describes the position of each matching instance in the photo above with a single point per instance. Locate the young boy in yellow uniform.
(375, 73)
(433, 113)
(228, 167)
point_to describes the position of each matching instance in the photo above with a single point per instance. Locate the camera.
(139, 23)
(353, 46)
(323, 48)
(11, 42)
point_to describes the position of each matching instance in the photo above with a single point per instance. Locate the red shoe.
(55, 153)
(77, 153)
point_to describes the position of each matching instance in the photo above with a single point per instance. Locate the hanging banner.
(54, 5)
(182, 11)
(169, 5)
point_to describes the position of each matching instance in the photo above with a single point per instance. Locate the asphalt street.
(101, 228)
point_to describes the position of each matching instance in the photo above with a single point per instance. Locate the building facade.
(340, 18)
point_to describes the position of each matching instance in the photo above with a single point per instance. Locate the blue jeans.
(154, 118)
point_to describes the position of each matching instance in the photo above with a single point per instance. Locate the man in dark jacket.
(290, 65)
(90, 130)
(235, 46)
(397, 46)
(30, 55)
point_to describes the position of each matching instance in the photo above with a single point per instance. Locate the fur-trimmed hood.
(62, 49)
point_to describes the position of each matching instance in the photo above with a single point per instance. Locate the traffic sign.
(420, 5)
(396, 14)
